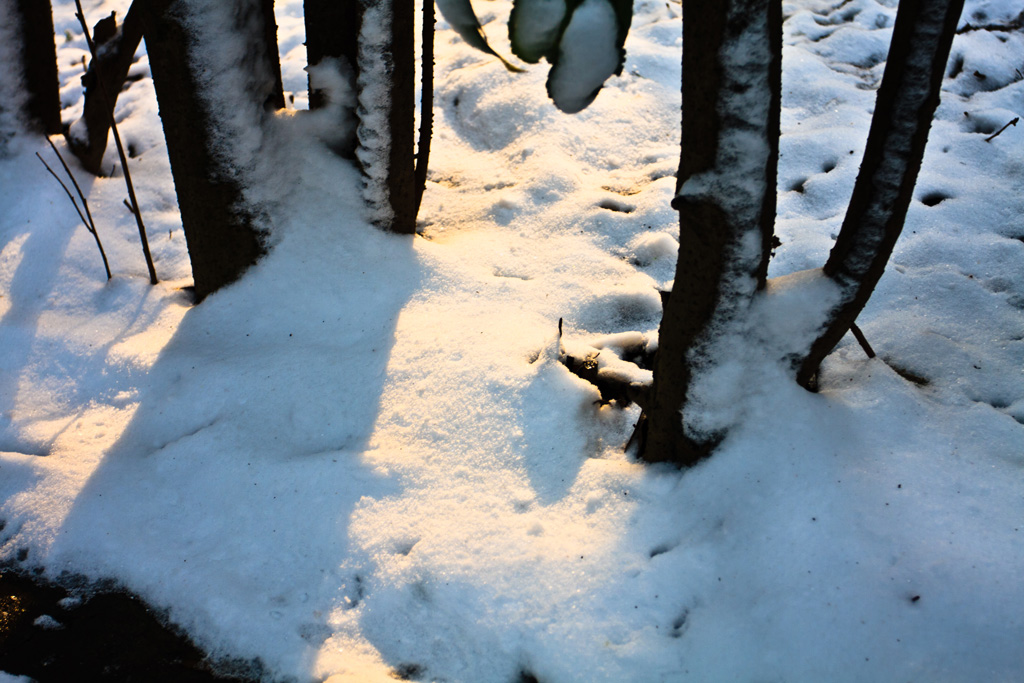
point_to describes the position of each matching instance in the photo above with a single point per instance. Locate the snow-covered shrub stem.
(87, 137)
(386, 98)
(907, 99)
(732, 53)
(374, 86)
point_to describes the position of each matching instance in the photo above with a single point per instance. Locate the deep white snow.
(364, 459)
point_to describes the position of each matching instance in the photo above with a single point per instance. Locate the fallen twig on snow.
(990, 138)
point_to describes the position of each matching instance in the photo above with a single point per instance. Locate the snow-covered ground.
(364, 460)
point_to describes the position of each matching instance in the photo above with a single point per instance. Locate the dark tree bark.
(272, 56)
(907, 98)
(332, 30)
(732, 56)
(39, 65)
(223, 230)
(386, 87)
(402, 193)
(426, 104)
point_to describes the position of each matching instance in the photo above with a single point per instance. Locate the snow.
(364, 458)
(9, 678)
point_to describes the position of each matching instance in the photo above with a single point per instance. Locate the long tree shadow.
(226, 500)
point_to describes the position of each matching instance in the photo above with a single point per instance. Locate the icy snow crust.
(364, 458)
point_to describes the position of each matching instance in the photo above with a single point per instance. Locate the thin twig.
(120, 151)
(992, 137)
(862, 340)
(89, 225)
(70, 196)
(92, 224)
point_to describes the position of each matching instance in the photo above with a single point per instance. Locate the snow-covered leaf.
(590, 50)
(535, 27)
(460, 14)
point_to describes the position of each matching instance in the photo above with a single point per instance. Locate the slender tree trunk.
(272, 56)
(222, 228)
(87, 137)
(34, 32)
(907, 98)
(732, 53)
(402, 190)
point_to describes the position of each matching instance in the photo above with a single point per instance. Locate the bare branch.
(89, 224)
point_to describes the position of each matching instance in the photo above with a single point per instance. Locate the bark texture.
(402, 189)
(732, 53)
(906, 103)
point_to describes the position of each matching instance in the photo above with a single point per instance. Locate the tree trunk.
(907, 98)
(32, 23)
(732, 57)
(272, 56)
(194, 94)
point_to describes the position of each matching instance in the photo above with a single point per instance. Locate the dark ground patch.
(51, 634)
